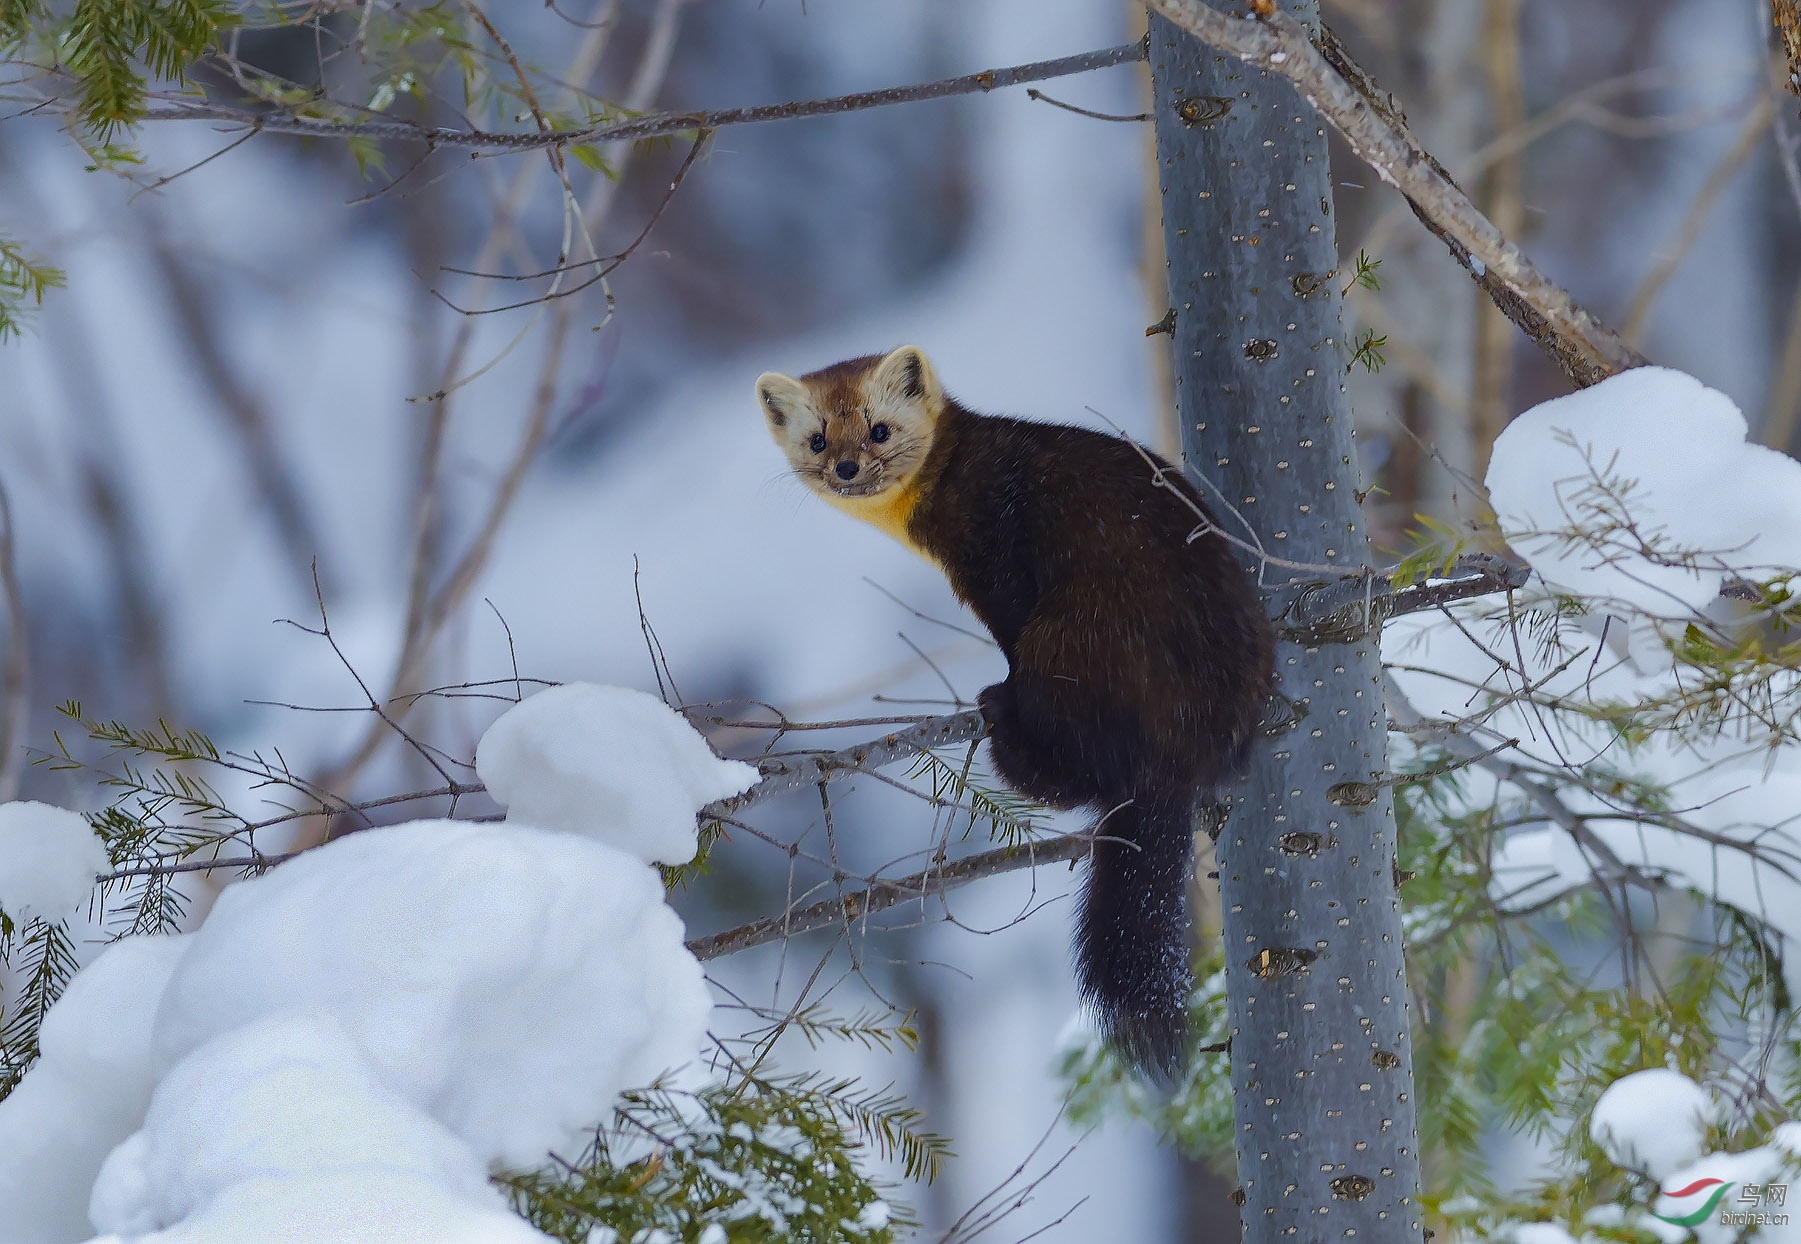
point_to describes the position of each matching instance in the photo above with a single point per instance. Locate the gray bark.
(1321, 1056)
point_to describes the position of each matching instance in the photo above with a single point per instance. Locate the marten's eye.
(879, 433)
(816, 442)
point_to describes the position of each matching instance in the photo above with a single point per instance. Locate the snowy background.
(1003, 236)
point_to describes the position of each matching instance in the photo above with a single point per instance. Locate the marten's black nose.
(847, 470)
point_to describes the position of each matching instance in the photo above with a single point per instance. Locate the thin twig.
(429, 611)
(1040, 96)
(596, 275)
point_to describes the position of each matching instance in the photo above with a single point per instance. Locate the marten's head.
(857, 430)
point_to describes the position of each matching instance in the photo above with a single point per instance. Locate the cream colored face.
(855, 431)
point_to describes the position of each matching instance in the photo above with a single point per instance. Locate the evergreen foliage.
(111, 48)
(23, 283)
(723, 1166)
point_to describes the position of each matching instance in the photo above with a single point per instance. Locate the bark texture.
(1321, 1056)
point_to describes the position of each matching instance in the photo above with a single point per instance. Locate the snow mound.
(279, 1130)
(86, 1092)
(1698, 487)
(1654, 1120)
(350, 1042)
(49, 858)
(509, 981)
(609, 763)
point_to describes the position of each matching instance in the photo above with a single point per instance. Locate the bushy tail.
(1132, 931)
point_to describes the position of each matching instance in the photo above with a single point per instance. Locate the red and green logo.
(1695, 1202)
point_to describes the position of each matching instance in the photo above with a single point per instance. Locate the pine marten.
(1139, 657)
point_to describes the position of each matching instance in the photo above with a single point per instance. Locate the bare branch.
(657, 124)
(879, 895)
(1369, 121)
(784, 775)
(597, 270)
(429, 611)
(1344, 608)
(1033, 93)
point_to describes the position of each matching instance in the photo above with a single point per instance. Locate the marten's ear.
(781, 397)
(904, 376)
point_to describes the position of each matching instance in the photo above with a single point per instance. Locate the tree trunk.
(1321, 1056)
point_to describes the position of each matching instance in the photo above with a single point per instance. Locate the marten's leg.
(1025, 759)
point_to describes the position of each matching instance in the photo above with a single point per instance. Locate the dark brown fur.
(1082, 567)
(1140, 662)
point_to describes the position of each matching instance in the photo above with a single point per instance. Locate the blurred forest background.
(264, 365)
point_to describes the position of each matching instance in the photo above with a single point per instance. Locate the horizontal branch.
(879, 895)
(1344, 610)
(784, 774)
(655, 124)
(1367, 117)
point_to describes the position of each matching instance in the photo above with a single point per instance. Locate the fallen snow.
(1653, 1120)
(351, 1041)
(510, 981)
(614, 764)
(49, 858)
(86, 1093)
(281, 1130)
(1698, 491)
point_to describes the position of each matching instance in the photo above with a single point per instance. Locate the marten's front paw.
(996, 703)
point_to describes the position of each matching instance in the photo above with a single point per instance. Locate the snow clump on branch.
(1643, 489)
(614, 764)
(1654, 1121)
(49, 858)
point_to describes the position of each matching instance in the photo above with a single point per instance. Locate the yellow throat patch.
(888, 510)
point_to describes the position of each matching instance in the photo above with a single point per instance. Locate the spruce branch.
(23, 283)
